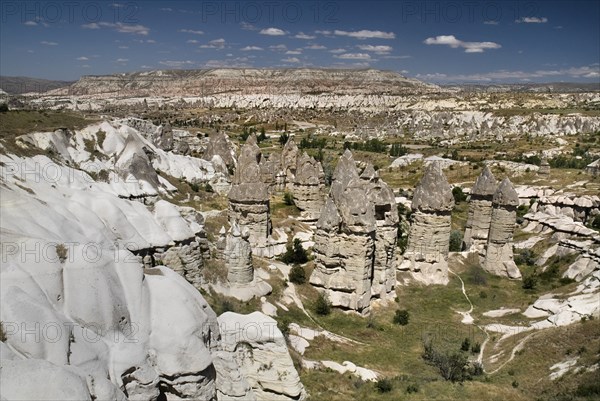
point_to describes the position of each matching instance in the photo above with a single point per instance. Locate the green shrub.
(384, 386)
(195, 187)
(401, 317)
(466, 344)
(288, 198)
(452, 366)
(412, 388)
(297, 275)
(295, 253)
(476, 348)
(459, 195)
(483, 295)
(208, 188)
(322, 306)
(2, 333)
(529, 282)
(596, 222)
(3, 108)
(456, 239)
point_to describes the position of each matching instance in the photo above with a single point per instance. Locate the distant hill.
(550, 87)
(248, 81)
(18, 85)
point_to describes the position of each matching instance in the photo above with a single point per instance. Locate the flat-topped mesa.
(289, 163)
(386, 234)
(220, 144)
(249, 195)
(480, 212)
(344, 243)
(499, 250)
(309, 181)
(426, 255)
(238, 256)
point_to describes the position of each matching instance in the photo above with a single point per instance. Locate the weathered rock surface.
(426, 255)
(309, 181)
(249, 195)
(386, 233)
(259, 349)
(480, 212)
(238, 256)
(220, 145)
(289, 163)
(344, 241)
(499, 250)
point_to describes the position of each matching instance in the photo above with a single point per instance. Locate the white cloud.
(135, 29)
(354, 56)
(82, 58)
(326, 33)
(167, 9)
(532, 20)
(247, 26)
(491, 22)
(176, 63)
(151, 41)
(366, 34)
(45, 42)
(291, 60)
(85, 66)
(302, 35)
(123, 47)
(30, 23)
(191, 31)
(279, 48)
(146, 66)
(272, 32)
(293, 52)
(239, 62)
(117, 5)
(121, 60)
(337, 51)
(375, 49)
(470, 47)
(315, 46)
(251, 48)
(193, 41)
(397, 57)
(214, 44)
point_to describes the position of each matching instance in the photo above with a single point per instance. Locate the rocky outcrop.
(593, 168)
(289, 163)
(426, 255)
(238, 256)
(544, 168)
(259, 349)
(386, 233)
(220, 144)
(480, 212)
(309, 181)
(344, 241)
(582, 208)
(249, 195)
(499, 250)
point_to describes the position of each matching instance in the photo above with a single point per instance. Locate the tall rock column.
(289, 159)
(386, 233)
(480, 212)
(249, 195)
(344, 241)
(426, 255)
(238, 256)
(499, 254)
(309, 182)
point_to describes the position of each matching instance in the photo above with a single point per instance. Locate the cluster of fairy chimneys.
(489, 230)
(355, 241)
(491, 224)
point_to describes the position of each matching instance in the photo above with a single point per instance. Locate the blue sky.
(436, 41)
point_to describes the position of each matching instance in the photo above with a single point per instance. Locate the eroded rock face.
(238, 256)
(426, 255)
(386, 234)
(259, 350)
(344, 241)
(164, 137)
(134, 163)
(220, 144)
(289, 162)
(309, 182)
(249, 195)
(480, 212)
(499, 250)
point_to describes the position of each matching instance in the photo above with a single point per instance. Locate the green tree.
(322, 305)
(401, 317)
